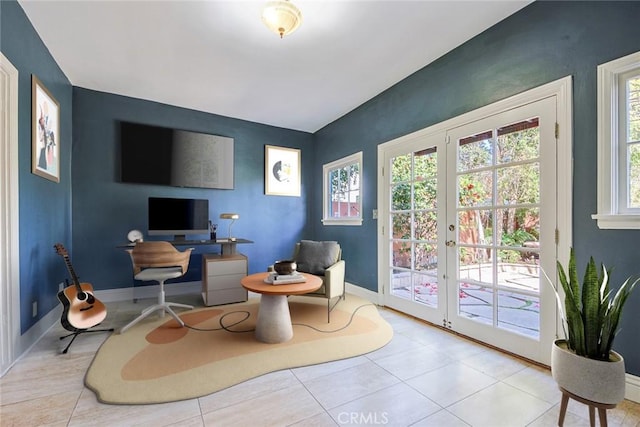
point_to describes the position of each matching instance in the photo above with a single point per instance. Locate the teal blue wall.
(45, 207)
(543, 42)
(104, 210)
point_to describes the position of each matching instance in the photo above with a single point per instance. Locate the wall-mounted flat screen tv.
(178, 158)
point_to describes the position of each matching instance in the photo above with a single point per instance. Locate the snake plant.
(592, 314)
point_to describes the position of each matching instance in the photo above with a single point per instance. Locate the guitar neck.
(74, 277)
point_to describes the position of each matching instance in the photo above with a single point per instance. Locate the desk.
(274, 319)
(228, 247)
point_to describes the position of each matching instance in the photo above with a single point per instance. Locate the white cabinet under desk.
(221, 276)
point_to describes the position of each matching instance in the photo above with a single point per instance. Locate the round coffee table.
(274, 319)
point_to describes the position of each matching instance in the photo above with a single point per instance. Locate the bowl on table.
(285, 267)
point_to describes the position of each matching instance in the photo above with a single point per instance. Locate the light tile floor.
(423, 377)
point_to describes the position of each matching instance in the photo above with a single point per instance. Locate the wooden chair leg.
(563, 408)
(602, 412)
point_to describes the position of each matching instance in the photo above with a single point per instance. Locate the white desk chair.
(158, 261)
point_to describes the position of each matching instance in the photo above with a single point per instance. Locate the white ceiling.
(218, 57)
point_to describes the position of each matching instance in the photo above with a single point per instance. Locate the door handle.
(450, 243)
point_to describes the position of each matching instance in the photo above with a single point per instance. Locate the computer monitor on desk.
(178, 217)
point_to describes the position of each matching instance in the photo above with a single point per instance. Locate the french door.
(415, 230)
(470, 224)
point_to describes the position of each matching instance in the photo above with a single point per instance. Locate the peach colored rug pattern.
(157, 361)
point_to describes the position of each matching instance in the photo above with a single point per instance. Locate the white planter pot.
(594, 380)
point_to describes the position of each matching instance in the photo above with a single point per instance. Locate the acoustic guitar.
(81, 310)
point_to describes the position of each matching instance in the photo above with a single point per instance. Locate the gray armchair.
(323, 259)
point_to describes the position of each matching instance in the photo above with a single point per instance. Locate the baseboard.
(632, 391)
(362, 292)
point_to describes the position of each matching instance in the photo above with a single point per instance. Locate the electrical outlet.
(60, 286)
(375, 214)
(34, 310)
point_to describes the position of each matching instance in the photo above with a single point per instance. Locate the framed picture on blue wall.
(45, 132)
(281, 171)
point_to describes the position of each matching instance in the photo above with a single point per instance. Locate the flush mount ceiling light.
(282, 17)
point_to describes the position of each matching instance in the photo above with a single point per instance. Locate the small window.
(342, 191)
(619, 144)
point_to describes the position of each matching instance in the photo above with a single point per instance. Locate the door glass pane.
(475, 226)
(519, 141)
(475, 302)
(402, 254)
(518, 227)
(401, 283)
(401, 225)
(401, 197)
(475, 151)
(517, 271)
(424, 194)
(426, 226)
(475, 265)
(519, 184)
(426, 257)
(519, 313)
(426, 289)
(475, 189)
(401, 168)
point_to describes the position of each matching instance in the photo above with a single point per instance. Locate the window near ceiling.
(619, 143)
(342, 191)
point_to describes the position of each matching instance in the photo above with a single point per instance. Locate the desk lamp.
(232, 217)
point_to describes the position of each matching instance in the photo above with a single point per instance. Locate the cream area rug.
(157, 361)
